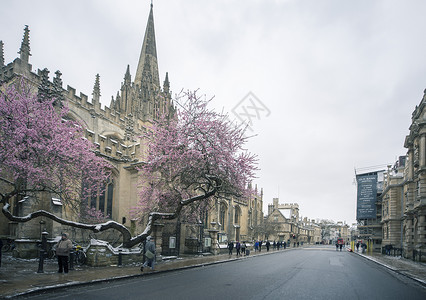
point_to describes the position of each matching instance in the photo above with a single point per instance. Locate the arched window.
(237, 215)
(102, 201)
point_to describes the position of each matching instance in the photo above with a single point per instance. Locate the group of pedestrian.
(279, 244)
(241, 248)
(363, 246)
(339, 246)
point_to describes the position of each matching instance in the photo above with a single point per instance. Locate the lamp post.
(42, 251)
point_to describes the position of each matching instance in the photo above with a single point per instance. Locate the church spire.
(25, 46)
(148, 67)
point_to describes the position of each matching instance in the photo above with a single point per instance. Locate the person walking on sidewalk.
(230, 247)
(256, 246)
(268, 244)
(363, 247)
(243, 248)
(238, 247)
(63, 249)
(357, 246)
(149, 254)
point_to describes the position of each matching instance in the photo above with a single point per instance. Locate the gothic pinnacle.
(1, 54)
(96, 89)
(127, 76)
(25, 46)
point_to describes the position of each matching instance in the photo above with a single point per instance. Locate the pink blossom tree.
(43, 152)
(192, 158)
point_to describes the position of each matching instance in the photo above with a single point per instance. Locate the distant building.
(288, 226)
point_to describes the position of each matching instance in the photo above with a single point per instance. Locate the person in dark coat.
(243, 248)
(238, 247)
(230, 247)
(268, 244)
(357, 246)
(260, 246)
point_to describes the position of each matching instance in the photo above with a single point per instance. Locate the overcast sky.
(336, 81)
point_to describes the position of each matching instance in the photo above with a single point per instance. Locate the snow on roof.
(56, 201)
(23, 199)
(286, 212)
(117, 250)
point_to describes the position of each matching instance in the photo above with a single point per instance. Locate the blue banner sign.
(367, 196)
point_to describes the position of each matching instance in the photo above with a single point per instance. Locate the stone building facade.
(119, 133)
(414, 201)
(117, 130)
(392, 196)
(403, 199)
(289, 227)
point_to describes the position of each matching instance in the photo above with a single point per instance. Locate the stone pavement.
(406, 267)
(19, 277)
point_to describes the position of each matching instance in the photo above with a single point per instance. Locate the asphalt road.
(309, 273)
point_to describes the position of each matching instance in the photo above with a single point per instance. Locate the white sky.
(339, 78)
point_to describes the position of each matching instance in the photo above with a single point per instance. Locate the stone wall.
(101, 254)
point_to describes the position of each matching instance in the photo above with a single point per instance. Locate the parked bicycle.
(9, 245)
(80, 256)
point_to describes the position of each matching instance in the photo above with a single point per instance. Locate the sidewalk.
(20, 277)
(406, 267)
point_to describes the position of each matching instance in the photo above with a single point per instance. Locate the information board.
(366, 196)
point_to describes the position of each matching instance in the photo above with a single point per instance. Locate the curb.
(40, 290)
(412, 277)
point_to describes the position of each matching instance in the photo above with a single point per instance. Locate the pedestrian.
(260, 246)
(388, 249)
(363, 247)
(230, 247)
(341, 246)
(238, 247)
(274, 245)
(278, 245)
(285, 245)
(63, 249)
(337, 246)
(357, 246)
(243, 248)
(268, 244)
(149, 253)
(297, 244)
(256, 246)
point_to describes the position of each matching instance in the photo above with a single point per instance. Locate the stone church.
(118, 132)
